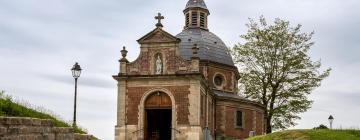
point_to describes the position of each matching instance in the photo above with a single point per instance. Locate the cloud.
(95, 82)
(41, 40)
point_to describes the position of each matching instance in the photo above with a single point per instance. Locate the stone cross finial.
(159, 17)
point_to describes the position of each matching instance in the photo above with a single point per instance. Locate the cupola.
(196, 14)
(210, 47)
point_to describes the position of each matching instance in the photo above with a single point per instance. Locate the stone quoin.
(183, 87)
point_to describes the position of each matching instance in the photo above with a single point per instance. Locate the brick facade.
(231, 130)
(181, 99)
(253, 120)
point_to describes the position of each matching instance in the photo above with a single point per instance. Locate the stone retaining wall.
(18, 128)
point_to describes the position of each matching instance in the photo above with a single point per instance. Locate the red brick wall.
(218, 119)
(228, 75)
(259, 123)
(133, 100)
(230, 129)
(180, 94)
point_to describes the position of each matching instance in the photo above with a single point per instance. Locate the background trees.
(277, 71)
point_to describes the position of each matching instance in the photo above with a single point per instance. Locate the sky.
(40, 40)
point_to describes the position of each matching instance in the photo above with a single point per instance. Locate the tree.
(276, 70)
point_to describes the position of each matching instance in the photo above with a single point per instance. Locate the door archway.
(158, 100)
(158, 114)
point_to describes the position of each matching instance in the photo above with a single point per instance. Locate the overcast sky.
(40, 40)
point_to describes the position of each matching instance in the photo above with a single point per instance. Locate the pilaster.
(120, 128)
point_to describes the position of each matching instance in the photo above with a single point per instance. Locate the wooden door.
(158, 100)
(156, 104)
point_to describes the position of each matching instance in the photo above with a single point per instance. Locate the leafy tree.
(276, 70)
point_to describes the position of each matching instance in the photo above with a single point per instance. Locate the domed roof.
(196, 3)
(211, 47)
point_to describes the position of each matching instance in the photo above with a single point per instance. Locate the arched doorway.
(157, 117)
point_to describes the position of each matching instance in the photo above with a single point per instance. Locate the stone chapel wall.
(225, 120)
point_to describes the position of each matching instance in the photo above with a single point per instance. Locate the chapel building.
(183, 87)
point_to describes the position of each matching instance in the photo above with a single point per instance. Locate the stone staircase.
(20, 128)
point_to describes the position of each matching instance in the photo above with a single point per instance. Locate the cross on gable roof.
(159, 17)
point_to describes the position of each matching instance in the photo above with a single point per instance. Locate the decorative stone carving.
(159, 65)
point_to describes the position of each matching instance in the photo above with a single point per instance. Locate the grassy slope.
(11, 109)
(322, 134)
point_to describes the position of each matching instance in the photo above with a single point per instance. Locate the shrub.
(321, 126)
(16, 108)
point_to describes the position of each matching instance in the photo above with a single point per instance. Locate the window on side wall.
(239, 119)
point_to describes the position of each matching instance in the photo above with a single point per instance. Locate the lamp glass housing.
(76, 70)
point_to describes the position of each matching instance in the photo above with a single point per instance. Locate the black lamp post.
(76, 71)
(331, 119)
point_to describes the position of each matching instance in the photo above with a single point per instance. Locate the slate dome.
(211, 47)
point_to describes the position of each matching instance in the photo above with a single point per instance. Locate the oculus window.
(219, 80)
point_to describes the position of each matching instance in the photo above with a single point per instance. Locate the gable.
(158, 36)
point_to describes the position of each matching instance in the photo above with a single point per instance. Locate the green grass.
(319, 134)
(15, 109)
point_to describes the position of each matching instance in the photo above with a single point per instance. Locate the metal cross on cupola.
(159, 17)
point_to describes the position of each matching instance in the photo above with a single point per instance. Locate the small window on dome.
(219, 80)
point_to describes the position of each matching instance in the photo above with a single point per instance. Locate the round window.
(218, 80)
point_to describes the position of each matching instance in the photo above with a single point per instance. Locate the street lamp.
(331, 119)
(76, 71)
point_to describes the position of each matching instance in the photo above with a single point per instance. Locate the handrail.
(170, 128)
(138, 130)
(176, 130)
